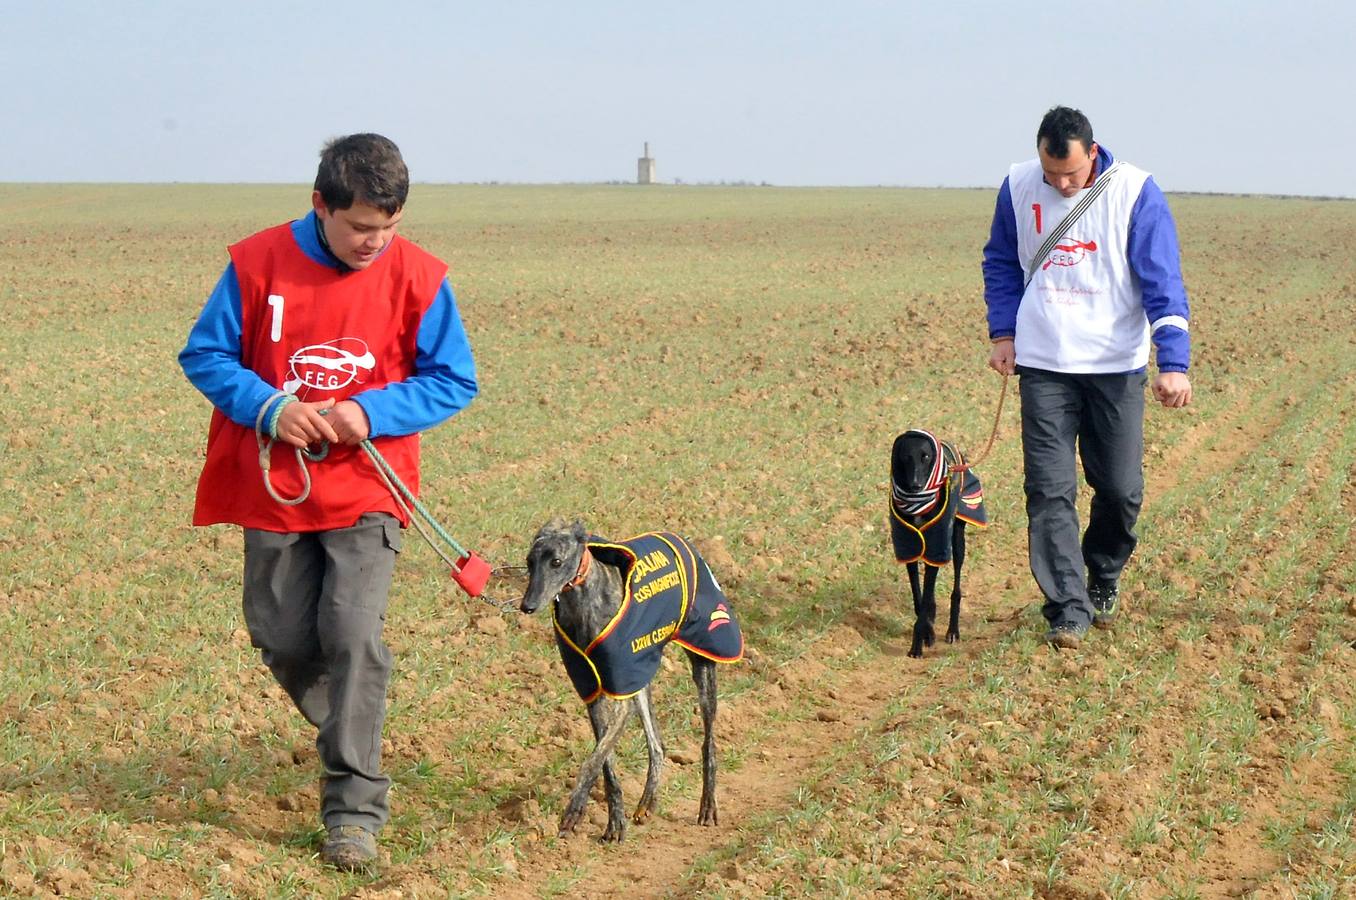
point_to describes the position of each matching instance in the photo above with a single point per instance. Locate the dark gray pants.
(1103, 417)
(315, 603)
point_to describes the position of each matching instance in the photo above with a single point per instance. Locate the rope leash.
(266, 449)
(993, 433)
(469, 570)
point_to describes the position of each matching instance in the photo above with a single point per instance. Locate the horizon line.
(733, 183)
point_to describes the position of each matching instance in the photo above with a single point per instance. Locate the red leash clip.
(471, 574)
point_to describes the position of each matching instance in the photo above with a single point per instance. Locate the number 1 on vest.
(276, 301)
(1035, 207)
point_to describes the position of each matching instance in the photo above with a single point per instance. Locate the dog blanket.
(921, 522)
(670, 595)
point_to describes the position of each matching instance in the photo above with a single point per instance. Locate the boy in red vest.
(330, 328)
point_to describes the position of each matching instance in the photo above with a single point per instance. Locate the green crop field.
(731, 364)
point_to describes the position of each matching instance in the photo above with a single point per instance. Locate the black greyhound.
(933, 495)
(615, 606)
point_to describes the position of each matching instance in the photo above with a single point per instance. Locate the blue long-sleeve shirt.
(443, 383)
(1152, 251)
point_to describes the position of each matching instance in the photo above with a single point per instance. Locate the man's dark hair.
(1061, 125)
(362, 168)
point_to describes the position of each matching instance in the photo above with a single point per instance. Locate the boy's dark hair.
(1061, 125)
(362, 168)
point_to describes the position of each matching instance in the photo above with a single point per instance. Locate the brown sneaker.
(350, 848)
(1065, 637)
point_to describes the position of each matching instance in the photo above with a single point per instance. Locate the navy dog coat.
(670, 595)
(920, 527)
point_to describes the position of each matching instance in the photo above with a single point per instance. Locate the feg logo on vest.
(330, 366)
(1069, 252)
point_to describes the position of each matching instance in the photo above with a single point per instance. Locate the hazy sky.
(1245, 96)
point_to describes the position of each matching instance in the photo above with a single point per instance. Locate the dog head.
(553, 561)
(916, 463)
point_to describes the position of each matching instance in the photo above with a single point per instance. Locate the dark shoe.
(1065, 637)
(350, 848)
(1105, 596)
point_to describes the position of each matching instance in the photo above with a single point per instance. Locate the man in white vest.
(1081, 273)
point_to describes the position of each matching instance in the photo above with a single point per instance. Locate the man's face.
(356, 235)
(1069, 175)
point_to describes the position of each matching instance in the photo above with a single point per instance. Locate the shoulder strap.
(1089, 197)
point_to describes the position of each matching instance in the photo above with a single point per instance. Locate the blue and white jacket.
(1111, 285)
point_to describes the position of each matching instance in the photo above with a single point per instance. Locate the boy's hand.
(301, 423)
(349, 421)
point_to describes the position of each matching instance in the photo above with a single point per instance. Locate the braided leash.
(466, 564)
(468, 570)
(993, 433)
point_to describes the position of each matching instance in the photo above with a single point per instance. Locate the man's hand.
(1172, 389)
(301, 423)
(349, 421)
(1003, 356)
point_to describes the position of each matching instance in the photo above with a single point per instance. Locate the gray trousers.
(315, 604)
(1102, 416)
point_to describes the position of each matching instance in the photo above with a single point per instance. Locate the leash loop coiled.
(282, 399)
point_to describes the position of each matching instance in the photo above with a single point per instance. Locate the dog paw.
(569, 821)
(952, 637)
(915, 653)
(708, 816)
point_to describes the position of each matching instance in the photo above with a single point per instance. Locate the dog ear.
(554, 525)
(579, 531)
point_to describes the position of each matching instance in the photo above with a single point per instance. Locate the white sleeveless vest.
(1083, 311)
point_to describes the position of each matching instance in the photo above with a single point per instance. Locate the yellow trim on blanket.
(626, 598)
(918, 530)
(612, 624)
(702, 653)
(685, 585)
(597, 679)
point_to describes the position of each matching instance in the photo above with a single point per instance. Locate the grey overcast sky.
(1246, 96)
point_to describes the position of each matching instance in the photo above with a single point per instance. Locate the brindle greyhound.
(934, 494)
(587, 593)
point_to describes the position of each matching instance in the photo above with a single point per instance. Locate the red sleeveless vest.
(318, 333)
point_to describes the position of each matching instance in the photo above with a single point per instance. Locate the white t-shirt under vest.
(1083, 311)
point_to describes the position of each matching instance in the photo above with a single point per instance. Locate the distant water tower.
(645, 167)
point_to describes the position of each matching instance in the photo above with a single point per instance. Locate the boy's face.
(357, 235)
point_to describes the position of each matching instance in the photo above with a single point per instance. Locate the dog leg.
(957, 561)
(608, 719)
(704, 675)
(916, 648)
(929, 606)
(645, 708)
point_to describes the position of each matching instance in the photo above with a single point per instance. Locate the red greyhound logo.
(1069, 253)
